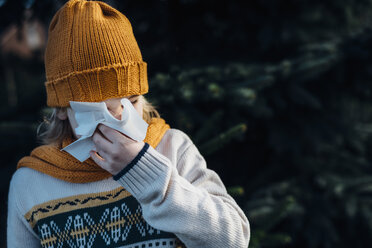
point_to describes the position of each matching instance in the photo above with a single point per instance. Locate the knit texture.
(106, 219)
(172, 184)
(49, 159)
(92, 55)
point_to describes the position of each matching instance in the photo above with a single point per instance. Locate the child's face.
(113, 106)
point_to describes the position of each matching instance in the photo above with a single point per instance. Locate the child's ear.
(62, 114)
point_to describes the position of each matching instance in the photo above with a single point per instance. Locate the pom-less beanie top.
(92, 55)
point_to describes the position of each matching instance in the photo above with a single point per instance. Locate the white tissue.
(89, 114)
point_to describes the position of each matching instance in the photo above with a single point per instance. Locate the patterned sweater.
(165, 195)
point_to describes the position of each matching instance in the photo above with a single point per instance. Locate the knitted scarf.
(49, 159)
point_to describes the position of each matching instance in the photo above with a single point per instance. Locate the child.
(153, 193)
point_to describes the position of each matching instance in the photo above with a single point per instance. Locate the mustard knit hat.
(92, 55)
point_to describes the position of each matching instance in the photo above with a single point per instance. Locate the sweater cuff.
(131, 164)
(146, 173)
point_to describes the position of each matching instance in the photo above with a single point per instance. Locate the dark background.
(276, 94)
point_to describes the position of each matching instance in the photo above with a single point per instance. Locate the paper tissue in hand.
(89, 114)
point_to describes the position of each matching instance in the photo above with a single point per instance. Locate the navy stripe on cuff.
(133, 163)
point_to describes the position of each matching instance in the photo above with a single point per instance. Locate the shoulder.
(176, 138)
(22, 187)
(24, 177)
(26, 181)
(174, 143)
(29, 187)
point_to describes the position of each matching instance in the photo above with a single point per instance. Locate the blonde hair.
(56, 130)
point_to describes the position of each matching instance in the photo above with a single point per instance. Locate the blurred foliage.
(276, 94)
(305, 139)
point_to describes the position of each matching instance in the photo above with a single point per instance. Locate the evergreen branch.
(222, 139)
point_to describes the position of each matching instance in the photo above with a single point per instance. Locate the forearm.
(197, 209)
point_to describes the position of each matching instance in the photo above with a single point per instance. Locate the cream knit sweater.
(176, 192)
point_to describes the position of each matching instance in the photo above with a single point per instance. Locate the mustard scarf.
(49, 159)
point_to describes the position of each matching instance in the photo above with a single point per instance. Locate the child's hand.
(114, 149)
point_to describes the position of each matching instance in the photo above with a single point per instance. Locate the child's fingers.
(97, 159)
(111, 134)
(101, 162)
(101, 142)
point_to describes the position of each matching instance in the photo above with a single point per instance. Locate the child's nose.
(115, 108)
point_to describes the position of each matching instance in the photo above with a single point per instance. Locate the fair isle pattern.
(113, 219)
(54, 207)
(163, 243)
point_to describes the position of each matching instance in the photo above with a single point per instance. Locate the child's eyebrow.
(133, 96)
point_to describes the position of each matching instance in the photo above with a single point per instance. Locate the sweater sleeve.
(19, 233)
(187, 199)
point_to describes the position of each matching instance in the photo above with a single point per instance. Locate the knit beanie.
(92, 55)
